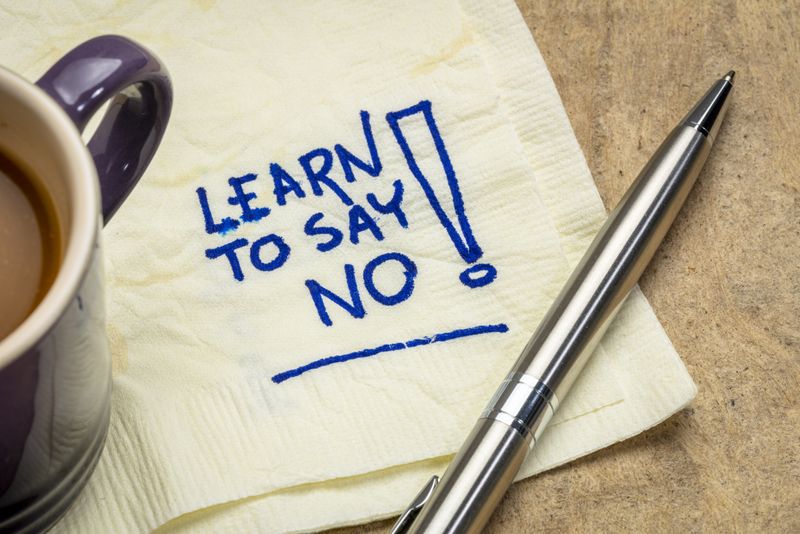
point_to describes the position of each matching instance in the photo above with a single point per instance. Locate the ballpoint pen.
(489, 459)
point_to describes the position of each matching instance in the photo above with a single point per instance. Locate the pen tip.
(707, 114)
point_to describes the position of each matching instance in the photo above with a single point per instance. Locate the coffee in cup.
(30, 243)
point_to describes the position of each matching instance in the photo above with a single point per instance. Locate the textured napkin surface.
(356, 220)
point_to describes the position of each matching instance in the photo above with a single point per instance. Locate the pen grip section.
(475, 481)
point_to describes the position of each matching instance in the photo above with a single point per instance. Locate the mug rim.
(84, 202)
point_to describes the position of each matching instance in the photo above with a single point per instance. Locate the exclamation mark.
(458, 228)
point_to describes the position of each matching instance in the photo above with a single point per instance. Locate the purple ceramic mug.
(55, 368)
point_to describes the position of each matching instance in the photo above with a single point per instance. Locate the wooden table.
(725, 283)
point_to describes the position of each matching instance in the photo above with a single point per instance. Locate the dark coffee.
(30, 244)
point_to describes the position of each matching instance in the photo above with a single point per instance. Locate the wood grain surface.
(725, 283)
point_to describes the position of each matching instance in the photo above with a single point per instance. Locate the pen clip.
(404, 521)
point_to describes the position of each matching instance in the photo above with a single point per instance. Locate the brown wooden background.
(726, 282)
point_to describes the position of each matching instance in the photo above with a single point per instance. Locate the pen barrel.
(613, 263)
(475, 481)
(490, 458)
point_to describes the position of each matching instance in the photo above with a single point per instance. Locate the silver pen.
(490, 458)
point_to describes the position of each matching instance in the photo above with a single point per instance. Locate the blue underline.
(391, 347)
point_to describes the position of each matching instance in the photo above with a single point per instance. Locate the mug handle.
(129, 133)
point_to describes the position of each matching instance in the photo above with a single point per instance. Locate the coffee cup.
(55, 365)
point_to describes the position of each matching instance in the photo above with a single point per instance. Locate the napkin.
(356, 219)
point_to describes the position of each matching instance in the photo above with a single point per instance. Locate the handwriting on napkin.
(243, 258)
(272, 252)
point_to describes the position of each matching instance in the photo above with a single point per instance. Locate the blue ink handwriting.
(390, 347)
(328, 173)
(465, 242)
(354, 306)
